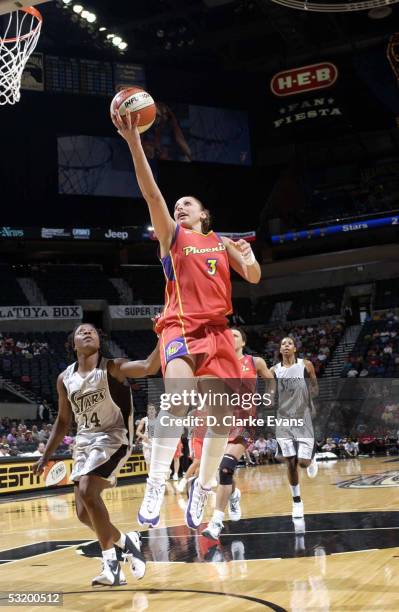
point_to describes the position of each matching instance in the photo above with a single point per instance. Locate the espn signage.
(304, 79)
(16, 476)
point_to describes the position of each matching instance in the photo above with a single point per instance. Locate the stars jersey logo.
(83, 402)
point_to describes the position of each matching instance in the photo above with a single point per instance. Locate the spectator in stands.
(44, 433)
(40, 410)
(41, 447)
(351, 448)
(4, 426)
(249, 456)
(35, 434)
(14, 452)
(25, 443)
(4, 450)
(329, 446)
(12, 436)
(271, 448)
(259, 451)
(46, 410)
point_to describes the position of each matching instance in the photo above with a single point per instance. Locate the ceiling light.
(116, 40)
(109, 36)
(84, 14)
(122, 46)
(77, 8)
(67, 1)
(380, 12)
(91, 18)
(102, 29)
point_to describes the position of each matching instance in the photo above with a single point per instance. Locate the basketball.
(135, 100)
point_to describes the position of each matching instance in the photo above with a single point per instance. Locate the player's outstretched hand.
(127, 126)
(38, 467)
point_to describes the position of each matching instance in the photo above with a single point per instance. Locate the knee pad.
(226, 469)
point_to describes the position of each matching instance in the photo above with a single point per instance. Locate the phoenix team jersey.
(102, 406)
(248, 371)
(248, 378)
(198, 286)
(293, 399)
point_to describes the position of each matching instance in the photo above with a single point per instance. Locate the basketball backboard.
(7, 6)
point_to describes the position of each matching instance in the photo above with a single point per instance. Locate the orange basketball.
(135, 100)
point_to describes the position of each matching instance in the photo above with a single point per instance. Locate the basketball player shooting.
(93, 389)
(295, 401)
(195, 338)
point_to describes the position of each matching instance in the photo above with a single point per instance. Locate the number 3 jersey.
(102, 407)
(198, 286)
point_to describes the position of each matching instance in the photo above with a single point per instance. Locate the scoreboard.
(62, 74)
(96, 78)
(70, 75)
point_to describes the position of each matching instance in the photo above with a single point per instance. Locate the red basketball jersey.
(248, 367)
(198, 285)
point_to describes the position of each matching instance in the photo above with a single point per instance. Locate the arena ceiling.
(229, 34)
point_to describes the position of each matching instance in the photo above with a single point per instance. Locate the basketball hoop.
(16, 45)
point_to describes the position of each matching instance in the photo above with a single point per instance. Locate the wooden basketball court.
(345, 557)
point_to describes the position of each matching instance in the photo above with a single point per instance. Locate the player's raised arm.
(242, 259)
(123, 368)
(164, 225)
(60, 428)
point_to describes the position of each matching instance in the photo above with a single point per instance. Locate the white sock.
(121, 543)
(109, 555)
(295, 490)
(163, 448)
(212, 453)
(218, 516)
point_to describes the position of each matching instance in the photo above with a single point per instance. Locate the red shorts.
(179, 451)
(212, 343)
(196, 446)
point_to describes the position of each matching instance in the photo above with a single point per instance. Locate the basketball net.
(17, 43)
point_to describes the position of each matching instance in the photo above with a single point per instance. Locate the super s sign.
(306, 78)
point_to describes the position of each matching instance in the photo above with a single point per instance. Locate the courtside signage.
(12, 313)
(301, 80)
(19, 476)
(134, 312)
